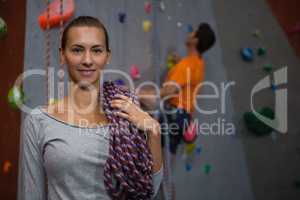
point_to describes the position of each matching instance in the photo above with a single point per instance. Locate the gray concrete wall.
(243, 166)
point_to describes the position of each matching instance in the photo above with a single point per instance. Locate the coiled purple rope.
(128, 169)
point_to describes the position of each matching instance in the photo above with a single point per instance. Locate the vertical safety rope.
(156, 62)
(61, 68)
(48, 53)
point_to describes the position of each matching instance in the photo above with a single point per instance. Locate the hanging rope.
(61, 67)
(48, 53)
(155, 61)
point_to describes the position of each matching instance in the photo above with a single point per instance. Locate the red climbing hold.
(54, 14)
(190, 134)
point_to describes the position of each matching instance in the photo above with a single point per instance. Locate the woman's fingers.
(123, 103)
(119, 101)
(123, 106)
(127, 109)
(124, 115)
(125, 98)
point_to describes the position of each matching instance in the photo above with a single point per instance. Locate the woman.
(61, 159)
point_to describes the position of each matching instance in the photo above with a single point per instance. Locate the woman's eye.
(76, 50)
(97, 51)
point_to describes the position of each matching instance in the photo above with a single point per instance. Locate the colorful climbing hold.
(122, 17)
(189, 148)
(261, 51)
(162, 6)
(190, 28)
(247, 54)
(255, 125)
(273, 87)
(207, 168)
(134, 72)
(170, 64)
(55, 16)
(190, 135)
(3, 28)
(148, 7)
(297, 184)
(147, 25)
(15, 97)
(188, 167)
(170, 61)
(268, 68)
(7, 165)
(256, 33)
(198, 150)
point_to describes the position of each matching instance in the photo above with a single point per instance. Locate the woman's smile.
(87, 72)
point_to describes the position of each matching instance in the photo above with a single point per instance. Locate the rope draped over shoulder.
(128, 169)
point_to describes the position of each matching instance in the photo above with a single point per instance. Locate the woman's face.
(85, 54)
(191, 41)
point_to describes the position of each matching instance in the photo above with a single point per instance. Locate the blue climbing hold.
(198, 150)
(122, 17)
(190, 28)
(188, 167)
(247, 54)
(273, 87)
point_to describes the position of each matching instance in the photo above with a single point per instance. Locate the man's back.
(188, 73)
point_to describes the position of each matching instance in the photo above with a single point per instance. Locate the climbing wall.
(11, 63)
(272, 160)
(237, 165)
(132, 45)
(219, 169)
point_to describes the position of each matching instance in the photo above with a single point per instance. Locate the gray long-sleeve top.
(59, 161)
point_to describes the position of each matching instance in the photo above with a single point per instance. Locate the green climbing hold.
(297, 184)
(257, 126)
(3, 28)
(268, 68)
(15, 97)
(206, 168)
(261, 51)
(257, 33)
(170, 61)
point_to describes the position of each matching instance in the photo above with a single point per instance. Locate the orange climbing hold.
(54, 14)
(6, 167)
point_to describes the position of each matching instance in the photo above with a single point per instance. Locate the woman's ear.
(62, 56)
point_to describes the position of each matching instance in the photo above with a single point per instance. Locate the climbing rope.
(61, 67)
(48, 53)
